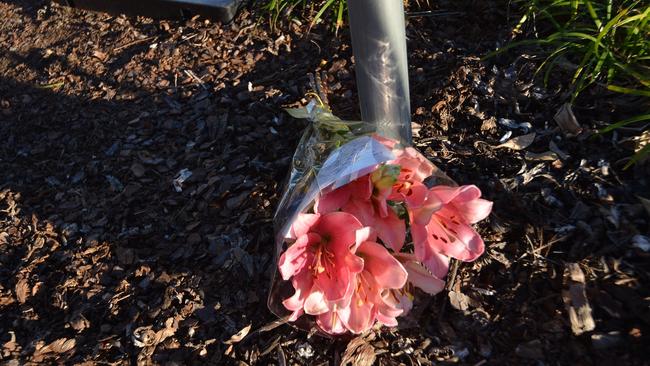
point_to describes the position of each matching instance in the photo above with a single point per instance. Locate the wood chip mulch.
(141, 161)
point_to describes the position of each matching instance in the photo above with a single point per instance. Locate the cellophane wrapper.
(330, 154)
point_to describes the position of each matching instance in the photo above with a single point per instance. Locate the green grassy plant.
(317, 11)
(602, 42)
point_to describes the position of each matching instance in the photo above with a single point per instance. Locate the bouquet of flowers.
(363, 221)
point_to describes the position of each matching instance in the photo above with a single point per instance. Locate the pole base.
(219, 10)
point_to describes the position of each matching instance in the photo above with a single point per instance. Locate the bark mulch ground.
(107, 258)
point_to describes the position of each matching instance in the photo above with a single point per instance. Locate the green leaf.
(299, 113)
(320, 12)
(592, 12)
(629, 91)
(613, 126)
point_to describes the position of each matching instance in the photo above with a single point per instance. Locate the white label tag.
(352, 160)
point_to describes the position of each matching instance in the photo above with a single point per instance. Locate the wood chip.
(239, 336)
(359, 352)
(532, 350)
(61, 345)
(489, 125)
(567, 120)
(100, 55)
(575, 300)
(22, 290)
(545, 156)
(274, 324)
(518, 143)
(458, 300)
(143, 337)
(606, 340)
(415, 128)
(554, 148)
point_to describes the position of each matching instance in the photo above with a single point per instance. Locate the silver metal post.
(379, 46)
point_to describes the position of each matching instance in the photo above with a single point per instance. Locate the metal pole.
(379, 46)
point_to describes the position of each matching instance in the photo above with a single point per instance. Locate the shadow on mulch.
(98, 243)
(102, 258)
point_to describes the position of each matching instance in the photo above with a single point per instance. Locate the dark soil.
(103, 261)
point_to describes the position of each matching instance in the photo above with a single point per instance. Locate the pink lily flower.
(401, 299)
(365, 198)
(381, 272)
(413, 193)
(442, 226)
(321, 263)
(301, 225)
(418, 276)
(331, 323)
(465, 200)
(414, 164)
(415, 167)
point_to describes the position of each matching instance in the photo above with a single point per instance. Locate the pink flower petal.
(387, 271)
(295, 257)
(388, 309)
(428, 244)
(438, 265)
(456, 195)
(386, 320)
(413, 193)
(295, 315)
(358, 316)
(475, 210)
(398, 299)
(330, 322)
(382, 206)
(391, 230)
(440, 240)
(338, 229)
(454, 238)
(420, 237)
(465, 201)
(469, 241)
(414, 164)
(425, 167)
(362, 210)
(420, 277)
(446, 194)
(302, 283)
(333, 201)
(416, 196)
(302, 224)
(422, 215)
(353, 263)
(365, 234)
(334, 282)
(315, 303)
(361, 188)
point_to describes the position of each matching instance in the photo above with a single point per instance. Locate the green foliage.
(600, 41)
(611, 43)
(328, 10)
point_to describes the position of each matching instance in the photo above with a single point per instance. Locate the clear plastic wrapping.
(330, 154)
(365, 219)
